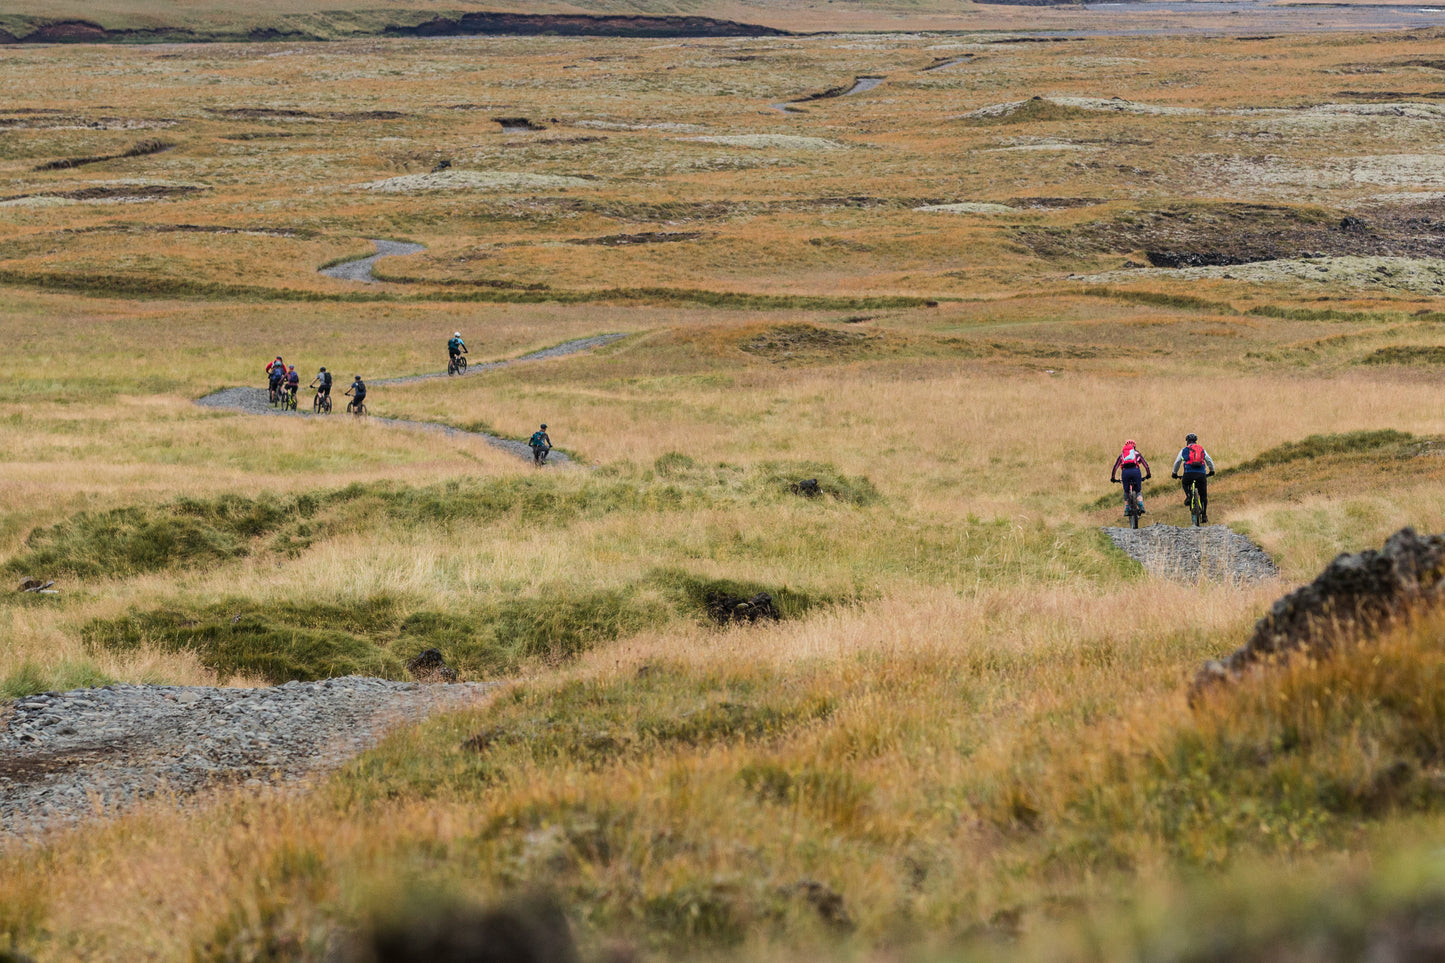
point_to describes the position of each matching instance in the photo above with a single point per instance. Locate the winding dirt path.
(252, 401)
(360, 269)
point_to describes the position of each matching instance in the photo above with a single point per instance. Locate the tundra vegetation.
(948, 298)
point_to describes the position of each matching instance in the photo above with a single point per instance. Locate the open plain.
(960, 728)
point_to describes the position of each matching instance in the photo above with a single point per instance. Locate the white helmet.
(456, 334)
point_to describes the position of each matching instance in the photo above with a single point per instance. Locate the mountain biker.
(324, 388)
(293, 382)
(358, 391)
(1198, 466)
(540, 443)
(275, 374)
(1127, 468)
(456, 347)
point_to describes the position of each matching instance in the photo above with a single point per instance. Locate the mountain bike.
(1132, 509)
(273, 394)
(357, 408)
(321, 404)
(1196, 508)
(457, 365)
(539, 455)
(288, 400)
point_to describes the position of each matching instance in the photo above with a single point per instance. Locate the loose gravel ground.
(65, 756)
(252, 401)
(1190, 554)
(360, 269)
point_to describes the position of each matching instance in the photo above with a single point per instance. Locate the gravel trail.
(556, 351)
(360, 269)
(1190, 554)
(65, 756)
(252, 401)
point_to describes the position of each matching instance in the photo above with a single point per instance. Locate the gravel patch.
(1190, 554)
(361, 268)
(782, 141)
(475, 181)
(253, 401)
(1114, 105)
(968, 207)
(66, 756)
(1419, 276)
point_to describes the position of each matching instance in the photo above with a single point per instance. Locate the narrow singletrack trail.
(1208, 552)
(252, 401)
(360, 269)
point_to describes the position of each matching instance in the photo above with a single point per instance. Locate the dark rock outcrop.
(1356, 594)
(728, 609)
(429, 666)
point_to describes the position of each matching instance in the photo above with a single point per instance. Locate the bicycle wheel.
(1194, 510)
(461, 366)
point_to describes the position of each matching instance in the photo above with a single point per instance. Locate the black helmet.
(1190, 438)
(323, 367)
(544, 427)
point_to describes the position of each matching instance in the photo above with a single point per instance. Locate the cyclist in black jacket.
(1198, 466)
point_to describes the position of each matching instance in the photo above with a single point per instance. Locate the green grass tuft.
(1384, 442)
(32, 678)
(1406, 354)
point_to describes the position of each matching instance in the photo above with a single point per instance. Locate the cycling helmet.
(544, 427)
(1129, 443)
(1190, 438)
(323, 367)
(456, 334)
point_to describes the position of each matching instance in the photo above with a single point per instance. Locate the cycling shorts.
(1132, 478)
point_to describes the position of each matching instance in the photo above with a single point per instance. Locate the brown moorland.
(945, 297)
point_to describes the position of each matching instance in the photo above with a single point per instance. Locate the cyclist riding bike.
(293, 383)
(358, 393)
(456, 347)
(540, 443)
(322, 383)
(275, 374)
(1132, 470)
(1198, 466)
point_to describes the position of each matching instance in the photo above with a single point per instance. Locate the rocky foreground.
(69, 755)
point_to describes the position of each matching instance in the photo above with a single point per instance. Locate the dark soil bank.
(582, 25)
(471, 24)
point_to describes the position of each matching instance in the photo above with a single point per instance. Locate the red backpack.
(1194, 455)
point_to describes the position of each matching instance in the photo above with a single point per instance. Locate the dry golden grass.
(979, 657)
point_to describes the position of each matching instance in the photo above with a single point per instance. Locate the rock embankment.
(65, 756)
(1356, 594)
(1189, 554)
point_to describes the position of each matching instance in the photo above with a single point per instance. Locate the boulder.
(1356, 595)
(429, 666)
(726, 609)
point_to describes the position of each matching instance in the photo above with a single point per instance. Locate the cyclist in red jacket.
(1133, 470)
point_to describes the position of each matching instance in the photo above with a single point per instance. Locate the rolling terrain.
(866, 348)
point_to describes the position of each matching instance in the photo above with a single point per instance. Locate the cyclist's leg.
(1131, 479)
(1186, 482)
